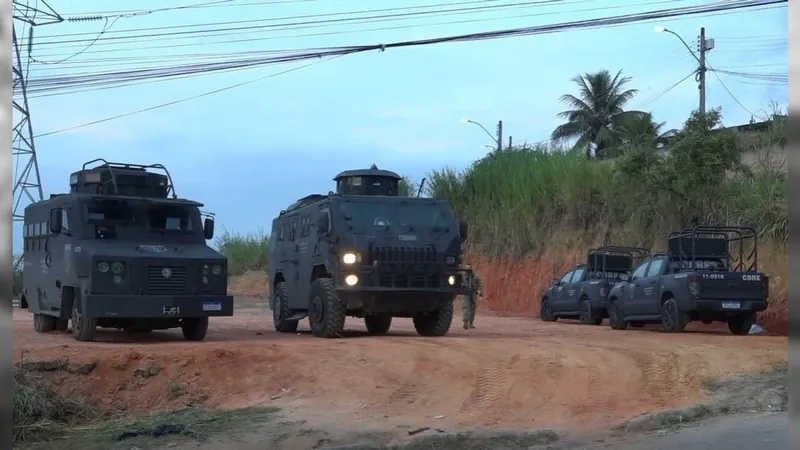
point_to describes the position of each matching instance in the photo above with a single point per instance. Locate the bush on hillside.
(245, 252)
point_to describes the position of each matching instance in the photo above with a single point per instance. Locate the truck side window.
(577, 275)
(565, 278)
(65, 220)
(655, 267)
(293, 231)
(640, 271)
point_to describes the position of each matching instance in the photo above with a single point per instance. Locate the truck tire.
(83, 328)
(435, 323)
(43, 323)
(326, 311)
(587, 316)
(741, 323)
(195, 328)
(281, 310)
(673, 320)
(378, 324)
(615, 317)
(546, 311)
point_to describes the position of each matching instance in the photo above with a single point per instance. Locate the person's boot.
(466, 325)
(471, 325)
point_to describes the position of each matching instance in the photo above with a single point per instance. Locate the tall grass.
(245, 252)
(519, 202)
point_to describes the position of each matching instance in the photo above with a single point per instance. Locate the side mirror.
(208, 228)
(463, 230)
(55, 221)
(555, 282)
(323, 225)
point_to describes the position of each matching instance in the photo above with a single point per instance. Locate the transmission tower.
(27, 183)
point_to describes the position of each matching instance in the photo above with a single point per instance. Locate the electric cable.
(722, 83)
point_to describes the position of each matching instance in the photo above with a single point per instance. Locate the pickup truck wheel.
(587, 316)
(615, 317)
(281, 310)
(742, 323)
(194, 329)
(43, 323)
(326, 311)
(436, 323)
(673, 320)
(546, 311)
(378, 324)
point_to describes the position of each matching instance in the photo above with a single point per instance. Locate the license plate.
(731, 305)
(212, 306)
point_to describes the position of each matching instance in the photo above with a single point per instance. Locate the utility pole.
(701, 74)
(509, 142)
(499, 135)
(27, 181)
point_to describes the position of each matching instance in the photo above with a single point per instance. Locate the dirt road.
(509, 372)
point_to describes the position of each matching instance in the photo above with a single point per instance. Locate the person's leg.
(465, 302)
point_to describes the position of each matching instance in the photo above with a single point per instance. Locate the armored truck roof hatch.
(133, 180)
(372, 181)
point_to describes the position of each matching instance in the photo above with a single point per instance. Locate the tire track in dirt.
(488, 389)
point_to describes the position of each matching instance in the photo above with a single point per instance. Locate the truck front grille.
(406, 280)
(401, 254)
(166, 279)
(403, 266)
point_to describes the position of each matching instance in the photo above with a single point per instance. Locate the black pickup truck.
(582, 292)
(710, 273)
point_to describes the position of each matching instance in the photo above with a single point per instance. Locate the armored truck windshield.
(399, 216)
(126, 219)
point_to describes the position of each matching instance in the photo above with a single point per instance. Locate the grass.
(245, 252)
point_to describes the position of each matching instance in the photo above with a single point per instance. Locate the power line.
(54, 83)
(722, 83)
(526, 31)
(212, 4)
(175, 102)
(653, 99)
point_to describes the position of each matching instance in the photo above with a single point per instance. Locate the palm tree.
(596, 114)
(642, 131)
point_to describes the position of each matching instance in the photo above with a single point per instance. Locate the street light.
(660, 29)
(464, 120)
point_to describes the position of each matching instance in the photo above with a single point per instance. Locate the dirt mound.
(516, 287)
(250, 284)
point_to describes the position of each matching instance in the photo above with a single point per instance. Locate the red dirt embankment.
(515, 287)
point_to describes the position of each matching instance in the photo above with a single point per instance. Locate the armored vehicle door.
(41, 294)
(303, 252)
(62, 252)
(290, 260)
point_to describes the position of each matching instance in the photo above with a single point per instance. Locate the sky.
(250, 151)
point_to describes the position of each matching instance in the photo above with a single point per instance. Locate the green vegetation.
(245, 252)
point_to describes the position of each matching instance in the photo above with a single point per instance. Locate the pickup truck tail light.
(694, 286)
(765, 286)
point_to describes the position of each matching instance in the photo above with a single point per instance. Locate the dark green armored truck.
(363, 251)
(121, 250)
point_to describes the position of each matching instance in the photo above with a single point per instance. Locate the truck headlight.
(349, 258)
(103, 267)
(117, 268)
(205, 269)
(351, 280)
(216, 269)
(451, 280)
(450, 259)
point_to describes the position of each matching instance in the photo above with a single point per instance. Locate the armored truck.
(708, 274)
(582, 292)
(364, 251)
(121, 250)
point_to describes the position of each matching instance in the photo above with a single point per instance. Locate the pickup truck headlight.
(349, 258)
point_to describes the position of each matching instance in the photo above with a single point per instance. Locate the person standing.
(470, 304)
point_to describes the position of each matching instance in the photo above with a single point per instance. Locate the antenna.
(421, 185)
(27, 182)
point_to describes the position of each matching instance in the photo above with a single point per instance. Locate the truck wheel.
(435, 323)
(326, 311)
(83, 328)
(546, 311)
(587, 316)
(195, 328)
(673, 320)
(378, 324)
(43, 323)
(742, 323)
(615, 317)
(281, 310)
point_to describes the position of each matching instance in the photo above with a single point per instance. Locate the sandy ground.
(509, 372)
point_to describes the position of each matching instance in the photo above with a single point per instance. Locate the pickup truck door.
(559, 301)
(573, 289)
(651, 289)
(633, 305)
